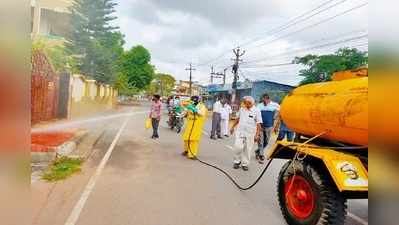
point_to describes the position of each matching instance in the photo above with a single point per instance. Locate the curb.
(62, 150)
(85, 146)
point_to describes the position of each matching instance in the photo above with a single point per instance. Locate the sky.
(272, 33)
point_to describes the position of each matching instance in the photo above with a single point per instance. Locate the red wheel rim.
(299, 197)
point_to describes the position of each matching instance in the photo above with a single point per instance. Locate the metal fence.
(44, 89)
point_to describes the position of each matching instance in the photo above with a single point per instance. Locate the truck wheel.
(309, 197)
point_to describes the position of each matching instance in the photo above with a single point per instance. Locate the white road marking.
(357, 219)
(79, 122)
(74, 216)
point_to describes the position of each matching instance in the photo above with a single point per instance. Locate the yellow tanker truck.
(329, 156)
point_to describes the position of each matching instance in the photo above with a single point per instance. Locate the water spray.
(69, 124)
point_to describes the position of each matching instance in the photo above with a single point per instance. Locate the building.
(183, 88)
(255, 89)
(276, 90)
(50, 18)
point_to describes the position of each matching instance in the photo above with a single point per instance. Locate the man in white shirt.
(225, 114)
(216, 120)
(248, 132)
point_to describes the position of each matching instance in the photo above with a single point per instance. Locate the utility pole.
(238, 54)
(224, 76)
(212, 73)
(191, 78)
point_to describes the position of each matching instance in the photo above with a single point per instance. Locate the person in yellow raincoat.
(196, 116)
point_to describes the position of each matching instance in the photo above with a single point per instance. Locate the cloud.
(143, 11)
(227, 15)
(181, 31)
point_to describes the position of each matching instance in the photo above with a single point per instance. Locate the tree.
(123, 87)
(343, 59)
(55, 53)
(107, 54)
(93, 44)
(135, 65)
(162, 84)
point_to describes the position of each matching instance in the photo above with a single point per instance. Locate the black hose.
(221, 170)
(335, 147)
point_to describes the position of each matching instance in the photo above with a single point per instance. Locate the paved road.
(147, 182)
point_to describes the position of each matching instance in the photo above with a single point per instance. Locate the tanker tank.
(339, 107)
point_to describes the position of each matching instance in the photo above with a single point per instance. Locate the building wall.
(50, 17)
(276, 91)
(88, 99)
(78, 88)
(101, 91)
(91, 84)
(70, 97)
(56, 5)
(53, 23)
(183, 88)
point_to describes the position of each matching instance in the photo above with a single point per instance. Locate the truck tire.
(309, 197)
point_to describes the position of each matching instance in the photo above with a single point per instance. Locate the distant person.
(169, 104)
(284, 131)
(269, 111)
(225, 116)
(196, 116)
(248, 132)
(216, 120)
(176, 101)
(155, 115)
(177, 115)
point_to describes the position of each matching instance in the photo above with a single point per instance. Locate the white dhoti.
(243, 148)
(225, 115)
(225, 127)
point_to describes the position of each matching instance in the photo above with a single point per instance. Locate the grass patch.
(62, 168)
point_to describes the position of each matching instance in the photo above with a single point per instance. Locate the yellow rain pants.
(193, 132)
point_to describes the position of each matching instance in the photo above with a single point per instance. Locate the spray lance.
(194, 109)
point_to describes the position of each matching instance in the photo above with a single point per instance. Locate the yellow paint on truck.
(339, 107)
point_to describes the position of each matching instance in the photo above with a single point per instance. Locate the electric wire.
(302, 29)
(313, 25)
(286, 25)
(268, 65)
(310, 48)
(296, 21)
(268, 74)
(248, 64)
(330, 42)
(290, 64)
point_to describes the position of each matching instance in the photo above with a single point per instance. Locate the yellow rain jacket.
(200, 118)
